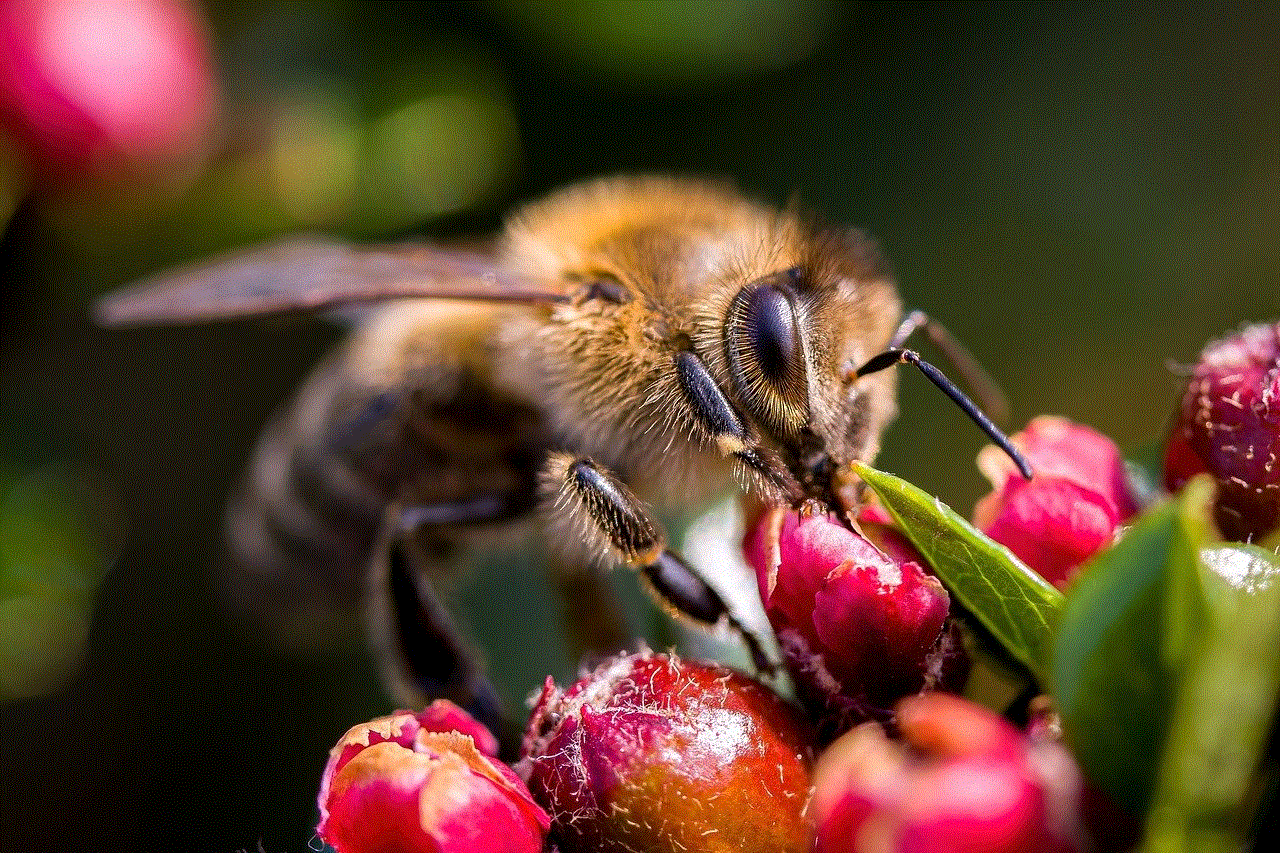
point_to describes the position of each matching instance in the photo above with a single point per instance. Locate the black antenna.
(893, 356)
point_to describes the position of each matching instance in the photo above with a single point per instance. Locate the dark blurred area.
(1084, 194)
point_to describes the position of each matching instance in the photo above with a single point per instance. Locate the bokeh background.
(1083, 193)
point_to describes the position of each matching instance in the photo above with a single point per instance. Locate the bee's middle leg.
(420, 651)
(601, 507)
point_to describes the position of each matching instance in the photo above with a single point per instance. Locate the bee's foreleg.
(681, 587)
(607, 513)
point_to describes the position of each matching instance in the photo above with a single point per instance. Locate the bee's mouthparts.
(813, 472)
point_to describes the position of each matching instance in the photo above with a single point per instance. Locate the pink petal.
(90, 81)
(878, 623)
(1059, 448)
(444, 716)
(1051, 524)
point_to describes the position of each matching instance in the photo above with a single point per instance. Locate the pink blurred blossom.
(107, 86)
(859, 628)
(423, 783)
(1069, 511)
(962, 780)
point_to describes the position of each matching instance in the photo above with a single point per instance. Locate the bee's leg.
(593, 620)
(685, 590)
(420, 652)
(611, 517)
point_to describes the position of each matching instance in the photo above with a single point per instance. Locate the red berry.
(650, 752)
(1229, 426)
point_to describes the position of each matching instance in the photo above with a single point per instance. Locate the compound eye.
(766, 356)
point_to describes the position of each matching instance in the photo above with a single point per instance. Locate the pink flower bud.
(96, 85)
(1072, 507)
(444, 716)
(650, 752)
(877, 525)
(859, 629)
(1229, 426)
(420, 783)
(965, 780)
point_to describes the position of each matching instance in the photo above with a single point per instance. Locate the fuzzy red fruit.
(420, 783)
(1229, 426)
(1069, 511)
(964, 780)
(859, 628)
(650, 752)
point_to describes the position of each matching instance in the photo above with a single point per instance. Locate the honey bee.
(628, 342)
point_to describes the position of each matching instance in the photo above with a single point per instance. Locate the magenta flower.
(1069, 511)
(1229, 426)
(650, 752)
(964, 781)
(859, 628)
(106, 85)
(423, 783)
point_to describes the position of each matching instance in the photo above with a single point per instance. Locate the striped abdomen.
(410, 434)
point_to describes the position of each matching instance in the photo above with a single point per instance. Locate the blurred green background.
(1083, 193)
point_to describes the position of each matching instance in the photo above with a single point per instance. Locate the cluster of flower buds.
(651, 752)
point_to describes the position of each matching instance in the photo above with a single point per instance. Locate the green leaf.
(1223, 711)
(1241, 568)
(1133, 618)
(1014, 603)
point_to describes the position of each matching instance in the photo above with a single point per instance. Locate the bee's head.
(806, 349)
(791, 341)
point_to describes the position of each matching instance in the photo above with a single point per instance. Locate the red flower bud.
(97, 84)
(965, 781)
(1229, 426)
(1072, 507)
(419, 783)
(650, 752)
(859, 629)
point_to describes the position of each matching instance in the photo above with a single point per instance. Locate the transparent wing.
(315, 273)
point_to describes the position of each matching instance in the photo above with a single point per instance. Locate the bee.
(627, 343)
